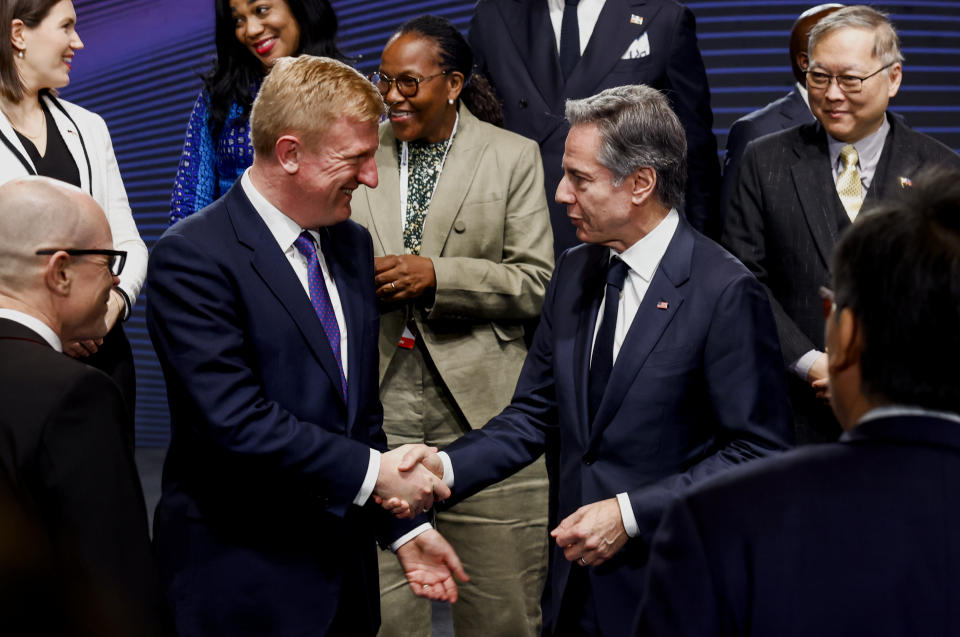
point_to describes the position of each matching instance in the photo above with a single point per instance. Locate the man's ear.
(643, 183)
(57, 275)
(848, 344)
(287, 152)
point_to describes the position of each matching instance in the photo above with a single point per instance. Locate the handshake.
(410, 480)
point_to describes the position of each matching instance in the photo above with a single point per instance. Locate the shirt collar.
(868, 148)
(644, 256)
(803, 93)
(34, 324)
(284, 229)
(888, 411)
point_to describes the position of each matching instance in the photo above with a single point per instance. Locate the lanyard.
(405, 173)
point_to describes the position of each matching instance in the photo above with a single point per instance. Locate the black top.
(57, 162)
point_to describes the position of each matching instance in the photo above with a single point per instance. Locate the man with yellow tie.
(799, 189)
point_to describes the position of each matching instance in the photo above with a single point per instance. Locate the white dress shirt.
(33, 323)
(642, 259)
(588, 12)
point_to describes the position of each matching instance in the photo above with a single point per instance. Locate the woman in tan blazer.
(464, 252)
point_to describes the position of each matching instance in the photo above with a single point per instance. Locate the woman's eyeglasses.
(407, 85)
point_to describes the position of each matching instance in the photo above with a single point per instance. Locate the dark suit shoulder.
(925, 148)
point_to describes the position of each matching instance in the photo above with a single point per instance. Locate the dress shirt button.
(523, 102)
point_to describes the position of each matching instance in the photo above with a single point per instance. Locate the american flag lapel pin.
(636, 19)
(662, 305)
(905, 182)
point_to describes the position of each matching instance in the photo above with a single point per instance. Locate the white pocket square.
(639, 48)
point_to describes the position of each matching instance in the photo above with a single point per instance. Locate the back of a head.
(305, 95)
(898, 269)
(800, 34)
(886, 46)
(637, 128)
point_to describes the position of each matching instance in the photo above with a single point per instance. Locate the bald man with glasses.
(63, 423)
(798, 190)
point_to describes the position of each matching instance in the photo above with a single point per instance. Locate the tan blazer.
(487, 231)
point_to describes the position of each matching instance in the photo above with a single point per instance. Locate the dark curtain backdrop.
(140, 70)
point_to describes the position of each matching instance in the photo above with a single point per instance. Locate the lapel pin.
(636, 19)
(905, 183)
(662, 305)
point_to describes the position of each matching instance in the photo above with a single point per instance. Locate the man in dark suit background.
(857, 537)
(540, 53)
(263, 314)
(783, 113)
(800, 189)
(655, 365)
(64, 462)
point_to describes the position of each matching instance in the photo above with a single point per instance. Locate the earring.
(20, 54)
(450, 102)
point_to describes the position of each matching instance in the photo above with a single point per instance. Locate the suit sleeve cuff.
(626, 512)
(447, 469)
(369, 480)
(406, 537)
(801, 366)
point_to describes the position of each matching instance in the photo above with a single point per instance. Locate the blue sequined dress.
(209, 167)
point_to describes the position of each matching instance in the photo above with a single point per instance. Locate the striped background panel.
(141, 69)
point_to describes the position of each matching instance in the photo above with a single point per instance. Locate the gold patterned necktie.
(848, 183)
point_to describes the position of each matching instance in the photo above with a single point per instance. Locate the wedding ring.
(393, 284)
(583, 561)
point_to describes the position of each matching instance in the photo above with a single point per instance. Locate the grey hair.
(886, 42)
(637, 129)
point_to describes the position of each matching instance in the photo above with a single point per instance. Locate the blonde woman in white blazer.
(42, 134)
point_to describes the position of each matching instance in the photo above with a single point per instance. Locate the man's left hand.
(430, 564)
(401, 277)
(592, 534)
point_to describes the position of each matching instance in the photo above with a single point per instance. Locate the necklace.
(20, 128)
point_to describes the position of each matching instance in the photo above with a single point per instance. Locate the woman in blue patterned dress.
(250, 37)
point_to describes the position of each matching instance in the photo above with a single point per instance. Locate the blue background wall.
(140, 71)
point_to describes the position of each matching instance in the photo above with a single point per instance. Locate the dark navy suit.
(859, 537)
(516, 48)
(697, 387)
(255, 530)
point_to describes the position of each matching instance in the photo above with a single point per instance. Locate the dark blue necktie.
(601, 364)
(320, 299)
(569, 38)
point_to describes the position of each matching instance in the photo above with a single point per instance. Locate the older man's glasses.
(407, 85)
(117, 258)
(847, 83)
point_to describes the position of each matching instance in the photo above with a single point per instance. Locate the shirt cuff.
(626, 512)
(447, 469)
(127, 305)
(406, 537)
(370, 480)
(801, 366)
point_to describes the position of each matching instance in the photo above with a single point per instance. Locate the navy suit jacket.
(858, 537)
(516, 49)
(697, 388)
(780, 114)
(783, 221)
(255, 529)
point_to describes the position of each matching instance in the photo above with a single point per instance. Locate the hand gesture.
(430, 563)
(408, 492)
(592, 534)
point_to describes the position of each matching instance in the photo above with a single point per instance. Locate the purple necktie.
(321, 300)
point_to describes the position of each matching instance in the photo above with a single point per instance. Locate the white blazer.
(92, 151)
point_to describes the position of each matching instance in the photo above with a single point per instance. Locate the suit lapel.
(591, 292)
(647, 326)
(385, 198)
(272, 266)
(338, 254)
(795, 110)
(528, 24)
(452, 185)
(813, 182)
(71, 137)
(613, 33)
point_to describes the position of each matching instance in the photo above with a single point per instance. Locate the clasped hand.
(405, 486)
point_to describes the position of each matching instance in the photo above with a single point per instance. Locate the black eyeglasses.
(407, 85)
(117, 257)
(847, 83)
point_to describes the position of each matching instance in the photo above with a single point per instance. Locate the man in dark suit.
(783, 113)
(64, 451)
(540, 53)
(857, 537)
(263, 314)
(800, 189)
(655, 365)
